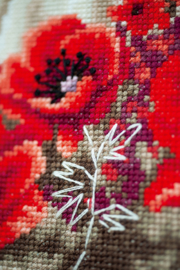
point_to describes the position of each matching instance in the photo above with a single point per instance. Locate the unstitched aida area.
(90, 135)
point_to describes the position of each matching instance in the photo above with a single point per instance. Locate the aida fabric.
(90, 135)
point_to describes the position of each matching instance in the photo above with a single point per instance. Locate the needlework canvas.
(90, 135)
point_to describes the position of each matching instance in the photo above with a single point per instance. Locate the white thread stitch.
(78, 199)
(139, 126)
(89, 231)
(100, 150)
(87, 134)
(57, 174)
(69, 203)
(93, 158)
(117, 138)
(79, 260)
(57, 194)
(103, 223)
(80, 216)
(67, 165)
(93, 195)
(107, 218)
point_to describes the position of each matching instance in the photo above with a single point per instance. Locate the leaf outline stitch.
(107, 217)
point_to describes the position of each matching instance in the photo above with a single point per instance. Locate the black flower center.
(62, 75)
(137, 9)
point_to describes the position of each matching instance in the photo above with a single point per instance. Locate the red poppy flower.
(139, 15)
(63, 76)
(21, 203)
(164, 122)
(135, 18)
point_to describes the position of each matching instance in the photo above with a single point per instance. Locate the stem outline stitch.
(113, 155)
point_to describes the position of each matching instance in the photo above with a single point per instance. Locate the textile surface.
(90, 134)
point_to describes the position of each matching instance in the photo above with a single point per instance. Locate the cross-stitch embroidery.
(89, 136)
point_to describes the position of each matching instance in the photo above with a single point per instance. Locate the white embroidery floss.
(107, 218)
